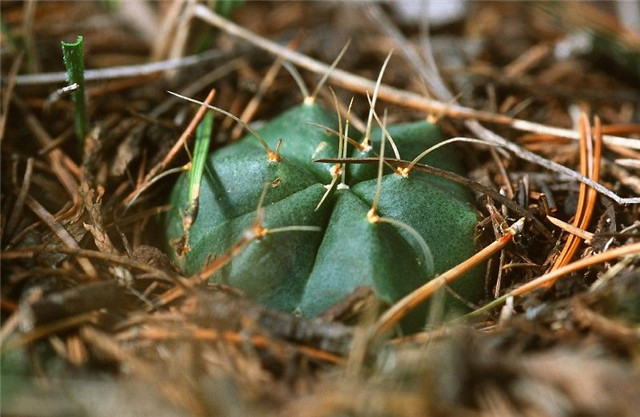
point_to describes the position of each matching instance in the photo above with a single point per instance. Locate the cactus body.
(310, 271)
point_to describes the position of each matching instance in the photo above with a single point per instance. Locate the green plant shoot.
(226, 7)
(200, 153)
(73, 55)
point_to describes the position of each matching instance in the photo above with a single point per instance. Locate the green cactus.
(307, 271)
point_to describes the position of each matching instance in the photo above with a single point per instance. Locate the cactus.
(422, 225)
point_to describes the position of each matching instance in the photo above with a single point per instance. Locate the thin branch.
(545, 163)
(405, 98)
(428, 69)
(127, 70)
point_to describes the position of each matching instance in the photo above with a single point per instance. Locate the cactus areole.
(308, 271)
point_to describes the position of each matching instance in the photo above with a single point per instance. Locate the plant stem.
(200, 152)
(73, 55)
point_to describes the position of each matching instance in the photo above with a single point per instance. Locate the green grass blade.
(225, 7)
(6, 32)
(111, 5)
(200, 152)
(222, 7)
(73, 55)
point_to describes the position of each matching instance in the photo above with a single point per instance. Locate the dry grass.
(95, 321)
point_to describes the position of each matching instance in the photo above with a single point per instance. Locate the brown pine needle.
(172, 153)
(144, 369)
(589, 167)
(571, 245)
(62, 234)
(576, 231)
(595, 175)
(251, 108)
(621, 129)
(30, 251)
(16, 212)
(49, 329)
(553, 276)
(63, 167)
(8, 90)
(213, 335)
(202, 276)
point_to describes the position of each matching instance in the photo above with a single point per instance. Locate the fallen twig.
(110, 73)
(405, 98)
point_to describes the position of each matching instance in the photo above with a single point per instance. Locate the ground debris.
(86, 330)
